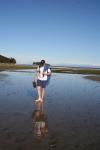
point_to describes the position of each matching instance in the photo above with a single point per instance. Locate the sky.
(59, 31)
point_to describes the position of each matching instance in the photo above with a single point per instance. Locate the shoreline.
(69, 70)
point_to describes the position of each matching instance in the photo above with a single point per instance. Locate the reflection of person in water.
(39, 121)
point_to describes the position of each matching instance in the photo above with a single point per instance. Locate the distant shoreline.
(55, 69)
(16, 66)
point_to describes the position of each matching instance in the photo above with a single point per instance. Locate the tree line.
(4, 59)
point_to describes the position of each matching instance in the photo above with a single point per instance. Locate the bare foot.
(41, 100)
(37, 100)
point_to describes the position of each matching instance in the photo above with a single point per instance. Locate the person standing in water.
(42, 75)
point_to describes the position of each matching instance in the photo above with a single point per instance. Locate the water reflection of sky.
(72, 108)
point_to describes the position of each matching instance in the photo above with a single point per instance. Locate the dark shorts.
(41, 83)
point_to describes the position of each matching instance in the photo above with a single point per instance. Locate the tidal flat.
(93, 77)
(68, 119)
(70, 70)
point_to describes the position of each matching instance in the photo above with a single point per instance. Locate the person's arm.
(36, 73)
(48, 72)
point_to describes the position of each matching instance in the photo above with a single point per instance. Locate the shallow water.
(70, 113)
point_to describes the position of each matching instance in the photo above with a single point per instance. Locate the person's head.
(42, 63)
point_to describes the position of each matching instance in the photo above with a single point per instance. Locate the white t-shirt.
(40, 75)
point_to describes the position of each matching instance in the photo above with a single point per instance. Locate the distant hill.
(4, 59)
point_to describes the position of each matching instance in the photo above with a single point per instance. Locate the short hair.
(42, 62)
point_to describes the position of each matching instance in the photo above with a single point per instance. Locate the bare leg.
(39, 92)
(43, 93)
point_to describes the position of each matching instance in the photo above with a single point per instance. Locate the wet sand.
(93, 77)
(67, 120)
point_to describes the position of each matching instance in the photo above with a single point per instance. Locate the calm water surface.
(69, 118)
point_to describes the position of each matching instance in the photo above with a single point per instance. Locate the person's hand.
(44, 73)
